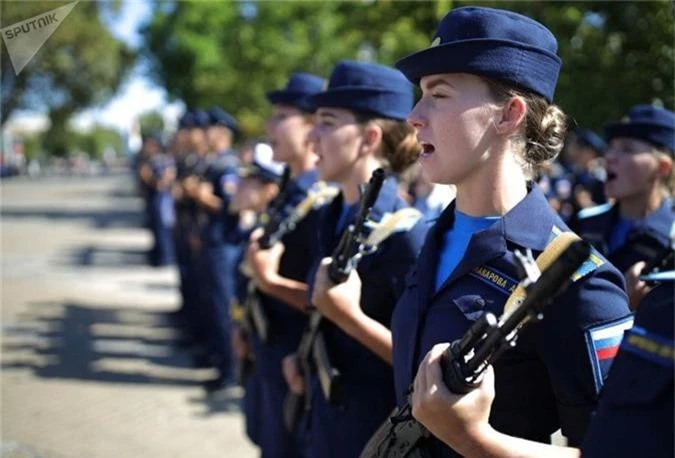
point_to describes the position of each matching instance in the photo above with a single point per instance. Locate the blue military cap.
(366, 87)
(220, 117)
(299, 86)
(201, 119)
(587, 137)
(648, 123)
(263, 166)
(186, 121)
(492, 43)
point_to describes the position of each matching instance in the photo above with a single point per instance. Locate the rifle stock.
(343, 261)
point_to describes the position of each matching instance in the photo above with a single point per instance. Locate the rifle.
(465, 361)
(345, 258)
(660, 263)
(283, 222)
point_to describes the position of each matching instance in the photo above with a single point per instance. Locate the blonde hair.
(545, 126)
(400, 149)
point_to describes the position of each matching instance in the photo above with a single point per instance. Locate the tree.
(151, 122)
(80, 65)
(615, 55)
(230, 54)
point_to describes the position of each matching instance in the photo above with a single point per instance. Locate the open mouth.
(427, 149)
(611, 176)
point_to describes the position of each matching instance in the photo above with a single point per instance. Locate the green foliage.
(151, 122)
(32, 146)
(80, 65)
(93, 142)
(615, 55)
(230, 53)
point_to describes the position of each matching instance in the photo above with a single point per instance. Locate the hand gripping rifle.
(281, 223)
(662, 262)
(312, 346)
(465, 361)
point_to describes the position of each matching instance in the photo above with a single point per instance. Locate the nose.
(416, 117)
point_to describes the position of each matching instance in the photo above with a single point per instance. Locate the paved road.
(90, 366)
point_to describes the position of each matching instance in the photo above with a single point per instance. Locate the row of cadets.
(487, 74)
(207, 179)
(360, 126)
(575, 180)
(280, 272)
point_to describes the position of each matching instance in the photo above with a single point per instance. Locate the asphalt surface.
(90, 365)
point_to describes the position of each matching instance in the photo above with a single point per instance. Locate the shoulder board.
(593, 262)
(650, 346)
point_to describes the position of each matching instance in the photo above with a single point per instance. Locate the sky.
(139, 94)
(136, 96)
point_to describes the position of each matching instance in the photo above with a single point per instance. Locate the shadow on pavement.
(77, 341)
(100, 219)
(106, 256)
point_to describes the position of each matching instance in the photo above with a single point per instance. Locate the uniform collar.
(516, 227)
(385, 200)
(306, 179)
(517, 224)
(662, 220)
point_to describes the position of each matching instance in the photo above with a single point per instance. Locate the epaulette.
(592, 263)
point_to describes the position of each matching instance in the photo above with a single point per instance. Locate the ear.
(665, 166)
(372, 139)
(512, 116)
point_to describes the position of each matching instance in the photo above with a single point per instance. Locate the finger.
(256, 234)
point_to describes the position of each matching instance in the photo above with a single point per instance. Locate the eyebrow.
(435, 82)
(324, 114)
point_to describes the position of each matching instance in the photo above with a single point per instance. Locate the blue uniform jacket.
(285, 322)
(221, 171)
(342, 431)
(635, 413)
(645, 241)
(552, 378)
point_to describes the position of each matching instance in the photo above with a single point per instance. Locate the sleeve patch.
(602, 342)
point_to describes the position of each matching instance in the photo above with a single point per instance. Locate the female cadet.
(638, 226)
(280, 277)
(359, 128)
(485, 121)
(637, 400)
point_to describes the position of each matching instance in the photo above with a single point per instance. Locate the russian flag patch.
(603, 343)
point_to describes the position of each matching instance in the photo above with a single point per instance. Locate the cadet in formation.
(258, 186)
(634, 415)
(485, 122)
(360, 127)
(280, 276)
(639, 226)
